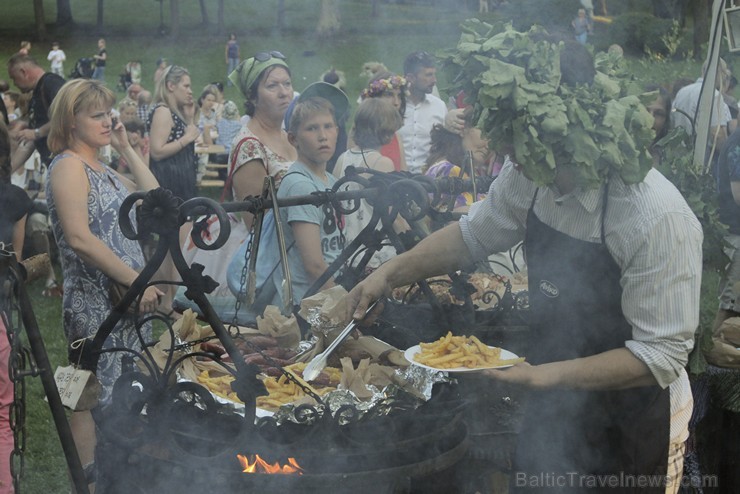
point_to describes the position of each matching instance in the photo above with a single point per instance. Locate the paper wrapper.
(325, 310)
(367, 377)
(284, 329)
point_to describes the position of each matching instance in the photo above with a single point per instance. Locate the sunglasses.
(264, 56)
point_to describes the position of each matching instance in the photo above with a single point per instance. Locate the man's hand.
(523, 374)
(455, 121)
(373, 288)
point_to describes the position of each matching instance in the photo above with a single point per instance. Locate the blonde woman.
(84, 197)
(172, 133)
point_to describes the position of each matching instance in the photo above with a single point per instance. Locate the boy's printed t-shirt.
(301, 181)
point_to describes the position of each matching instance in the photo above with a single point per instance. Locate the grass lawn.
(131, 31)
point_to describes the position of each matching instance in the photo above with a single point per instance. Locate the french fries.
(281, 390)
(450, 352)
(219, 385)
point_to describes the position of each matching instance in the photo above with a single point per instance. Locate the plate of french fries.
(460, 354)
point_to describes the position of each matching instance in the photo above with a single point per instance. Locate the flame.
(261, 466)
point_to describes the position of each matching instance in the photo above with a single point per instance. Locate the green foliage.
(640, 33)
(527, 13)
(699, 190)
(512, 79)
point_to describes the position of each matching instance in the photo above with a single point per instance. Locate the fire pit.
(160, 435)
(202, 449)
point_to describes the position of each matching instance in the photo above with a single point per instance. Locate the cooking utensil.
(318, 363)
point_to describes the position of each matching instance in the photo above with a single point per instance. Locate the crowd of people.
(81, 152)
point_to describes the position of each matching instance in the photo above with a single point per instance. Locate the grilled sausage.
(262, 341)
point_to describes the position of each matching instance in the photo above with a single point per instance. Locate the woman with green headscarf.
(261, 147)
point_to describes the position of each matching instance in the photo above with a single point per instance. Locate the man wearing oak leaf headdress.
(614, 258)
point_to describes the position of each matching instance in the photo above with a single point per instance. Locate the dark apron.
(570, 436)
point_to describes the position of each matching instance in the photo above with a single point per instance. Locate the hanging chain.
(233, 327)
(242, 282)
(20, 365)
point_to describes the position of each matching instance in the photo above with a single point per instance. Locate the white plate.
(505, 355)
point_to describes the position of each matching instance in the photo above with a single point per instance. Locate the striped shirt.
(653, 236)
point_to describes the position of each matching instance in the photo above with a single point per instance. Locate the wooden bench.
(211, 183)
(217, 166)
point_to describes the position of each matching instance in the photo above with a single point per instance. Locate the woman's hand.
(150, 300)
(191, 134)
(118, 136)
(188, 111)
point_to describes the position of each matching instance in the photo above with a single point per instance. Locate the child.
(581, 26)
(57, 58)
(376, 122)
(12, 101)
(25, 48)
(128, 111)
(313, 237)
(135, 131)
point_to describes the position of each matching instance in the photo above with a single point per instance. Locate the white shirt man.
(685, 105)
(423, 109)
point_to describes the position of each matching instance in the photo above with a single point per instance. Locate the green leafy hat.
(249, 70)
(522, 99)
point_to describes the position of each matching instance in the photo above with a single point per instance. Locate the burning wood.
(258, 465)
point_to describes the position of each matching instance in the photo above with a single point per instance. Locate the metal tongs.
(268, 190)
(317, 364)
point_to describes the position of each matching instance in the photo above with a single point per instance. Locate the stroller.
(83, 69)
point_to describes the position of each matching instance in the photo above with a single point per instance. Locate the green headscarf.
(249, 70)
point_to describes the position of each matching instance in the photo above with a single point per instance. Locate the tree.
(64, 13)
(39, 19)
(100, 16)
(203, 12)
(175, 18)
(280, 15)
(700, 12)
(669, 9)
(221, 16)
(329, 19)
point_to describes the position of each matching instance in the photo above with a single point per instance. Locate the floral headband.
(377, 88)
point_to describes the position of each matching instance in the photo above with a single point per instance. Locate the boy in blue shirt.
(313, 237)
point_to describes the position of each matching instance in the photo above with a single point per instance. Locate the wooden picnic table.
(209, 149)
